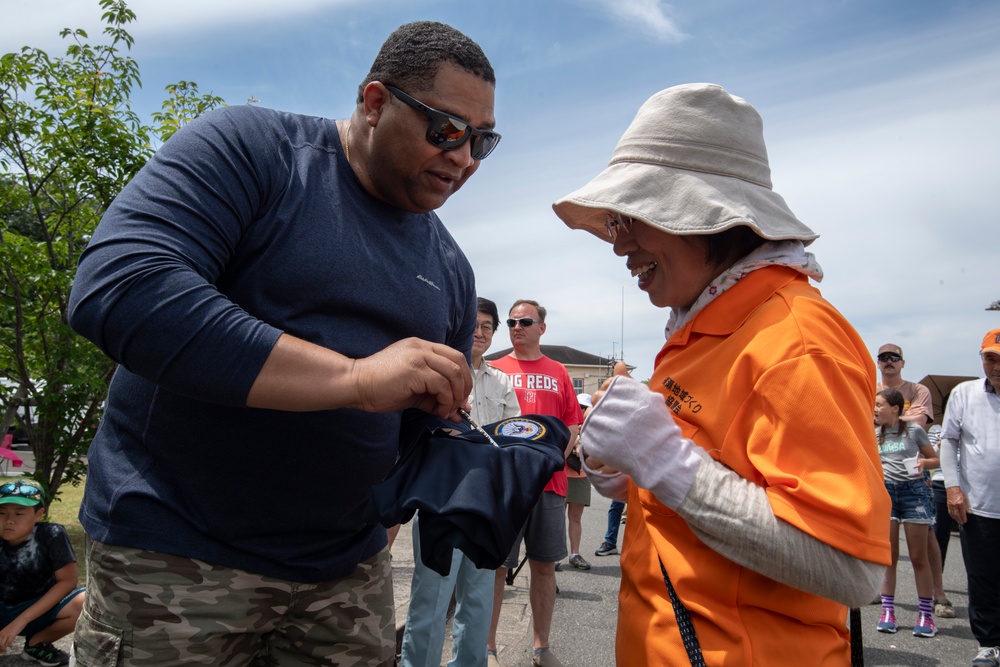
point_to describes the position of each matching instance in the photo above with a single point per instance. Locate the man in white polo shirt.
(970, 457)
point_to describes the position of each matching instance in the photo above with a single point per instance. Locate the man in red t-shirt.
(543, 387)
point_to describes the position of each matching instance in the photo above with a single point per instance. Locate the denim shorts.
(911, 501)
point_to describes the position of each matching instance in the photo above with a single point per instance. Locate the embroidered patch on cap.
(520, 427)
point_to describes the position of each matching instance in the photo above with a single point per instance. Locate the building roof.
(565, 355)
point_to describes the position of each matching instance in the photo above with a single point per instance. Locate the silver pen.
(472, 422)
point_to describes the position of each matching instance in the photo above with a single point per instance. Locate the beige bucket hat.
(693, 161)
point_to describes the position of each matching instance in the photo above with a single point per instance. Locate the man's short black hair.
(411, 56)
(487, 307)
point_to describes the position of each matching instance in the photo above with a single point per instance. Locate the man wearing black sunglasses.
(416, 136)
(919, 408)
(276, 287)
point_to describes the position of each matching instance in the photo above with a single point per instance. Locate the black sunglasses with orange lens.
(450, 132)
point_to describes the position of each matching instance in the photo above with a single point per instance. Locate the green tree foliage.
(69, 142)
(183, 106)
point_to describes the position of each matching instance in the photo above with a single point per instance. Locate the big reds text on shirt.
(535, 381)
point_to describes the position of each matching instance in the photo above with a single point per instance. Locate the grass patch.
(66, 510)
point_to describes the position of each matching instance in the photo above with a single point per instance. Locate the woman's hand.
(592, 462)
(631, 430)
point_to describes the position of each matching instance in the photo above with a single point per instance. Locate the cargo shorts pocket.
(96, 644)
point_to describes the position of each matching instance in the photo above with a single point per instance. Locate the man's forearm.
(300, 376)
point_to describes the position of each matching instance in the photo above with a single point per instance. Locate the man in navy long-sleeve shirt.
(277, 288)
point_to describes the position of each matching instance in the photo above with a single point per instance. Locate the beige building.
(587, 370)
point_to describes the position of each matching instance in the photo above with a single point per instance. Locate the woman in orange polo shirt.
(757, 512)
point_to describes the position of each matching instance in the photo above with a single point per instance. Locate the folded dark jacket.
(471, 495)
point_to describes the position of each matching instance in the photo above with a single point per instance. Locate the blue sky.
(881, 120)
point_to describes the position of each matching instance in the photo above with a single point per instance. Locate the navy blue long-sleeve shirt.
(246, 224)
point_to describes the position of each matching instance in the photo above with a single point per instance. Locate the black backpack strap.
(684, 623)
(857, 647)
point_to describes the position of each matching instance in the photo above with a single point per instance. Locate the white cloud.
(650, 17)
(896, 185)
(38, 23)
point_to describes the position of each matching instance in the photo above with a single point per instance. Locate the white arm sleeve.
(949, 461)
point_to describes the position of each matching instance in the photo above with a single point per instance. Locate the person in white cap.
(757, 511)
(970, 458)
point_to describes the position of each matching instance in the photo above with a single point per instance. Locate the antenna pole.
(622, 349)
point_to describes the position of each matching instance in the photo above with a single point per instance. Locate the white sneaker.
(988, 656)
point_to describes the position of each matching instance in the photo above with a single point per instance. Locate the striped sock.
(889, 602)
(926, 605)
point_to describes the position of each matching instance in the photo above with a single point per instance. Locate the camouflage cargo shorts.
(146, 608)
